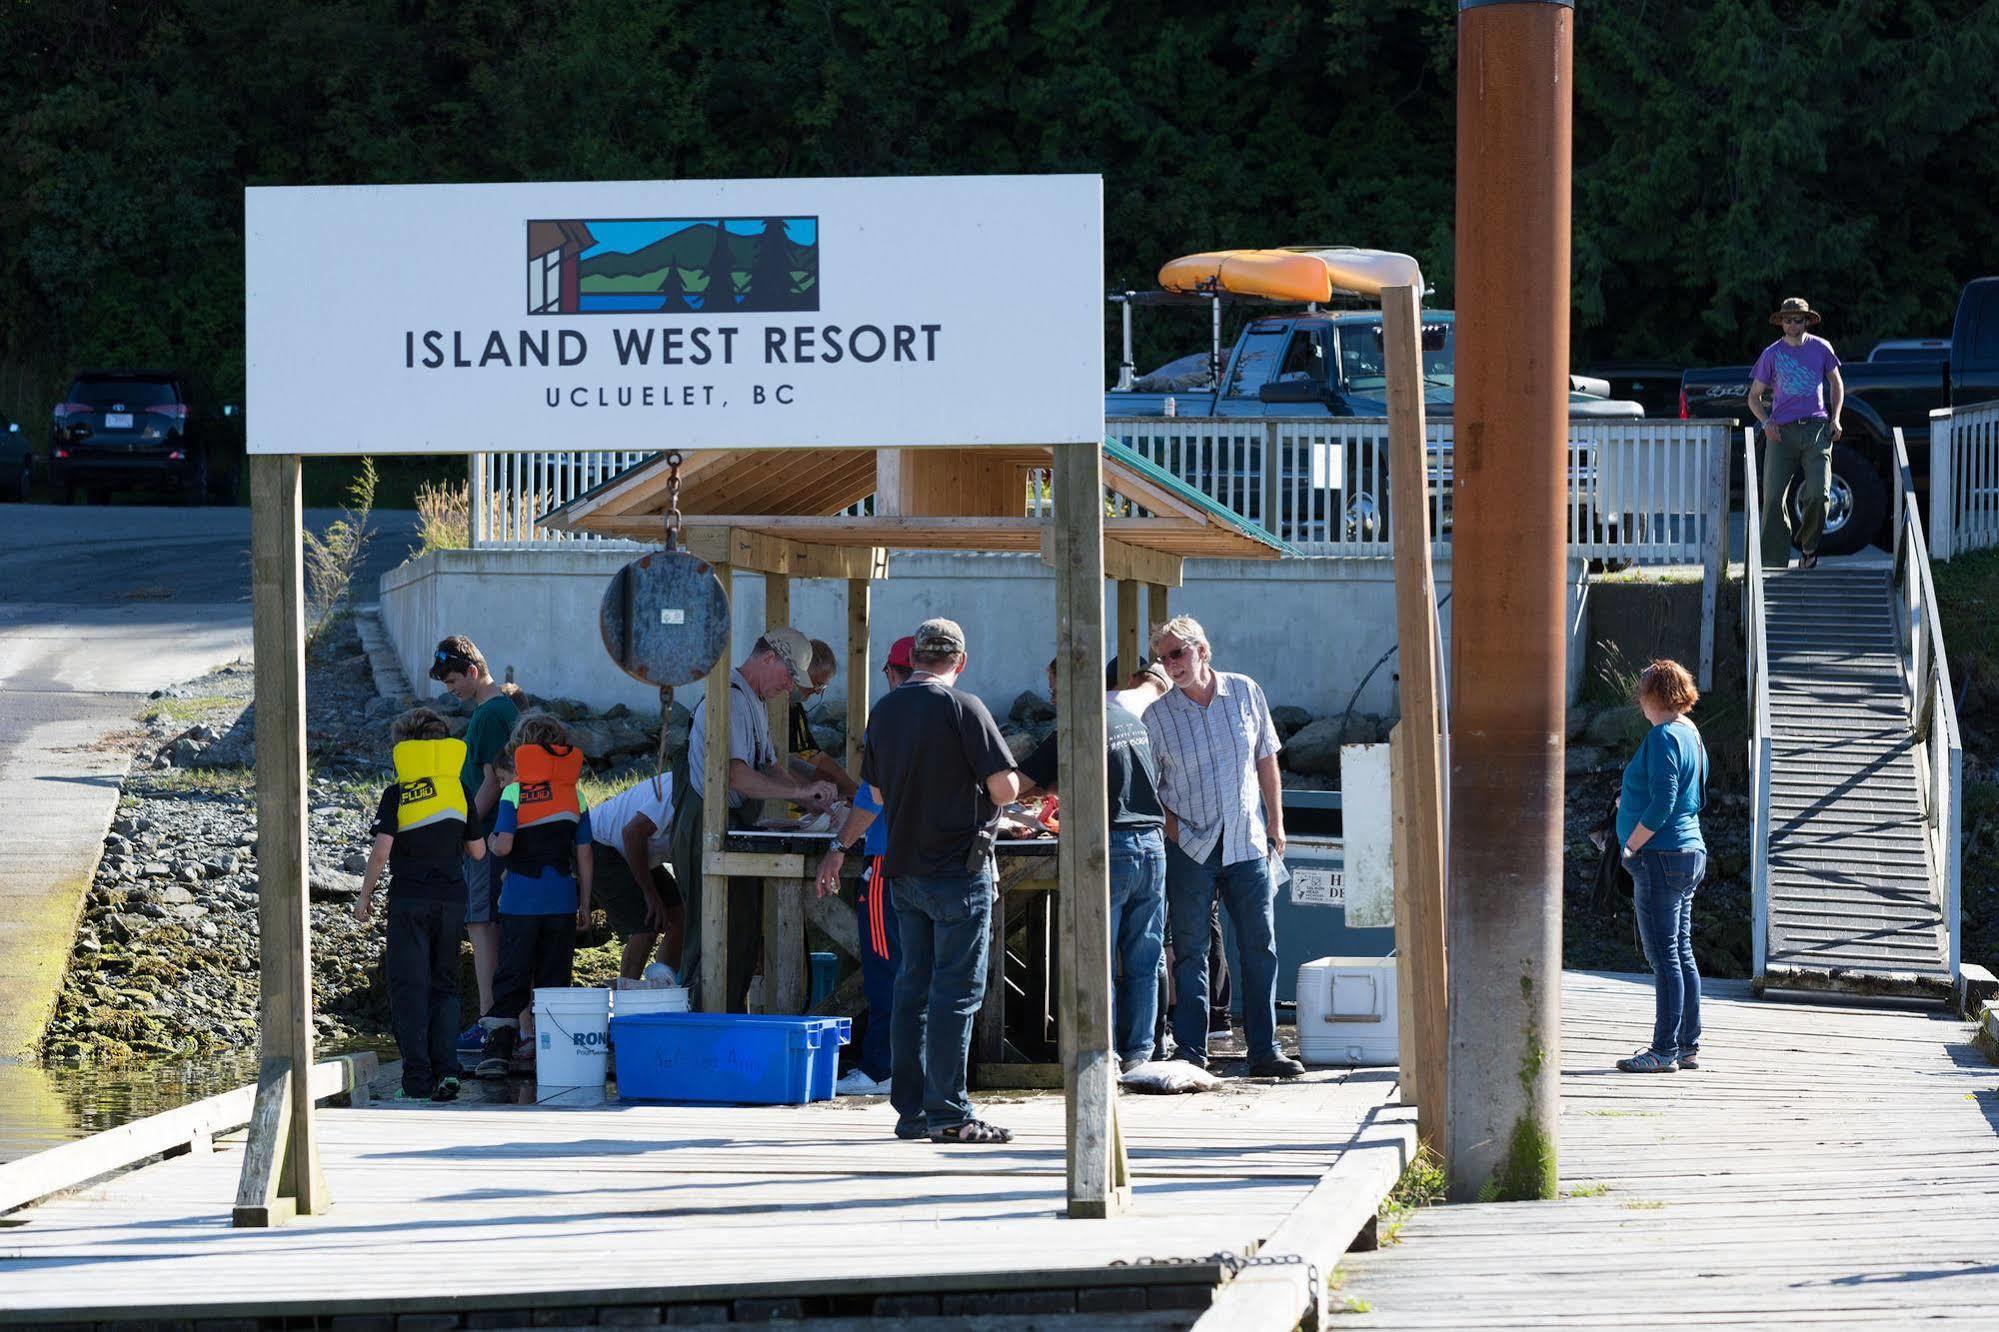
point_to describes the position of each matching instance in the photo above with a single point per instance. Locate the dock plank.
(1830, 1163)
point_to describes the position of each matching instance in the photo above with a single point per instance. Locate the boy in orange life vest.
(541, 832)
(422, 832)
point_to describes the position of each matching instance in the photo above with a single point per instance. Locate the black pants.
(535, 951)
(1218, 982)
(422, 967)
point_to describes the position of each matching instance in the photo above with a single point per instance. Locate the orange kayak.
(1294, 273)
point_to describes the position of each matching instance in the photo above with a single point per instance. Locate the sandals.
(1690, 1058)
(971, 1130)
(1647, 1061)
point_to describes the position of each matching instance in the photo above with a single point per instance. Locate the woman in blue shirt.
(1659, 827)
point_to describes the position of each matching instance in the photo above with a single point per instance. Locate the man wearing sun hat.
(1796, 394)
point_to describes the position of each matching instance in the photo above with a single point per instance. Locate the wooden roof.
(969, 499)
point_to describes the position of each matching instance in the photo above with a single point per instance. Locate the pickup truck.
(1880, 395)
(1316, 365)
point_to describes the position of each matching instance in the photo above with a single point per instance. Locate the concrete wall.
(1308, 630)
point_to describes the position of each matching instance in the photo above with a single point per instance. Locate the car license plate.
(117, 420)
(1318, 887)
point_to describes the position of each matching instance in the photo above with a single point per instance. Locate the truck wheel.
(1855, 508)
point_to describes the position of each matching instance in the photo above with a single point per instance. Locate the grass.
(1644, 1205)
(191, 781)
(176, 710)
(1623, 1114)
(1596, 1190)
(1423, 1184)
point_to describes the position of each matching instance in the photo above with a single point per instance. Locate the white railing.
(1964, 479)
(511, 491)
(1757, 639)
(1650, 492)
(1932, 706)
(1647, 492)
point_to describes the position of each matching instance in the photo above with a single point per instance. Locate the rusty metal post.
(1508, 561)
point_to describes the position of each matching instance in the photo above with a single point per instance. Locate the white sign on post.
(891, 312)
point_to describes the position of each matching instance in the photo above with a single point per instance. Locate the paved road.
(99, 607)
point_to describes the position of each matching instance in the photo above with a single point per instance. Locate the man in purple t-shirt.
(1796, 394)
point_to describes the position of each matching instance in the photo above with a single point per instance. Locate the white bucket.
(572, 1032)
(660, 999)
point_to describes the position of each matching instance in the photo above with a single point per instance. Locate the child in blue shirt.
(541, 833)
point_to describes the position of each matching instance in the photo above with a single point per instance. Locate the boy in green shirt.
(461, 669)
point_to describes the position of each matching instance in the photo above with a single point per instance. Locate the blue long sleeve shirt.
(1665, 787)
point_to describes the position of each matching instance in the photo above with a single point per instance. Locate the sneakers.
(858, 1083)
(1808, 561)
(497, 1053)
(1199, 1061)
(1136, 1061)
(447, 1090)
(1276, 1066)
(471, 1047)
(1645, 1061)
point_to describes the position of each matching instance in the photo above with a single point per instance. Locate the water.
(42, 1105)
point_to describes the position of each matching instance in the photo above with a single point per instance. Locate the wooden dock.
(487, 1215)
(1828, 1164)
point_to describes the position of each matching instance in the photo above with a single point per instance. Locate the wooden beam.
(835, 919)
(784, 942)
(1128, 629)
(262, 1200)
(860, 670)
(1125, 562)
(714, 822)
(771, 555)
(1156, 612)
(1409, 1059)
(1084, 1001)
(277, 598)
(67, 1165)
(777, 615)
(1422, 712)
(758, 864)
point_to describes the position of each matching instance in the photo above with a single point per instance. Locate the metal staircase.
(1855, 762)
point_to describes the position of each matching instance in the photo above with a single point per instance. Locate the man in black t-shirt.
(425, 827)
(937, 760)
(1137, 856)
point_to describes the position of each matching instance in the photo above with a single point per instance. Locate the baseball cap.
(939, 635)
(899, 653)
(794, 650)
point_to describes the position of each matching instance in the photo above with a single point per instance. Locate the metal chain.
(1235, 1264)
(673, 461)
(665, 724)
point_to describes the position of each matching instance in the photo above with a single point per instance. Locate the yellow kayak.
(1294, 273)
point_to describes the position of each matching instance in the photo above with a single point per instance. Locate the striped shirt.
(1207, 767)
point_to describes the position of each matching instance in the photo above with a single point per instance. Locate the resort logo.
(673, 265)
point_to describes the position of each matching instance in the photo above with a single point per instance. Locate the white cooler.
(1346, 1012)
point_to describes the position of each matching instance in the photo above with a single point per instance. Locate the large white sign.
(675, 314)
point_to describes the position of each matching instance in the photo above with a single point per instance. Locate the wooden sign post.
(281, 1176)
(1099, 1183)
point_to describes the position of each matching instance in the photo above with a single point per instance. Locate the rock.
(1366, 729)
(628, 735)
(829, 712)
(830, 739)
(1031, 707)
(356, 862)
(563, 709)
(172, 895)
(183, 752)
(155, 869)
(1021, 743)
(592, 738)
(1618, 728)
(1289, 720)
(190, 873)
(219, 867)
(126, 926)
(1314, 748)
(1578, 725)
(1581, 759)
(333, 886)
(456, 726)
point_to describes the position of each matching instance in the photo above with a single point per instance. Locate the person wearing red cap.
(881, 938)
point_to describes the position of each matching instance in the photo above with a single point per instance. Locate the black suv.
(118, 429)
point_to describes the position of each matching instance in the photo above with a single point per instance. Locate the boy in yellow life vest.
(541, 833)
(422, 831)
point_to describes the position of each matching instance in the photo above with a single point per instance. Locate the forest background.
(1727, 152)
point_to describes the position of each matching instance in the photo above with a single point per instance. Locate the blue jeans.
(1665, 882)
(1138, 934)
(945, 922)
(1247, 893)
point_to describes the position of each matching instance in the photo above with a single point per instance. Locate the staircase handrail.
(1932, 704)
(1757, 639)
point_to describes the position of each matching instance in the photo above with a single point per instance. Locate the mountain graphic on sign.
(678, 265)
